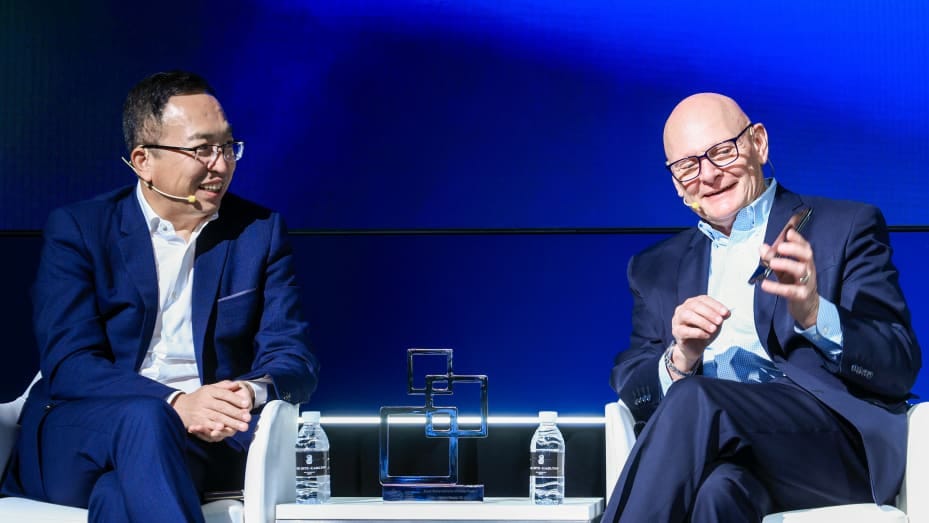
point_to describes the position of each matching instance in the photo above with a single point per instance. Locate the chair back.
(620, 438)
(9, 423)
(912, 498)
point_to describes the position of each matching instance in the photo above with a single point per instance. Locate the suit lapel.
(135, 245)
(208, 269)
(694, 268)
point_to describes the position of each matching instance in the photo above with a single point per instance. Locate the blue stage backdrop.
(542, 315)
(505, 119)
(477, 113)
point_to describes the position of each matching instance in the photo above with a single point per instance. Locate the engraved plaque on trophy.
(440, 422)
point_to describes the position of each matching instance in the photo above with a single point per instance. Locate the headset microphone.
(693, 205)
(188, 199)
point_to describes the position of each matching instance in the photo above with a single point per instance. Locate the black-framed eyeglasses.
(206, 153)
(720, 155)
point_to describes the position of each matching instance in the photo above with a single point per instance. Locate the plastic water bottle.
(546, 462)
(312, 460)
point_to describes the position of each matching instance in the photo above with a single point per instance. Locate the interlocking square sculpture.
(433, 488)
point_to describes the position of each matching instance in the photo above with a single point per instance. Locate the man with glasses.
(166, 314)
(752, 398)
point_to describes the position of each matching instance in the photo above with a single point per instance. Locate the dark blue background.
(496, 117)
(478, 113)
(542, 315)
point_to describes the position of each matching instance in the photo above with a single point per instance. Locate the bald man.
(757, 398)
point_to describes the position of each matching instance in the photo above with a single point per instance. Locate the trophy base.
(432, 492)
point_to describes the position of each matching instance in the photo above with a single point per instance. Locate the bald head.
(701, 120)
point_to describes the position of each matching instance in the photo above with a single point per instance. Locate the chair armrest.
(620, 437)
(270, 468)
(913, 495)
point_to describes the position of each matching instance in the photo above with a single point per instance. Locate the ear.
(760, 142)
(141, 162)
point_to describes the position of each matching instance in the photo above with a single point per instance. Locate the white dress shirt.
(171, 358)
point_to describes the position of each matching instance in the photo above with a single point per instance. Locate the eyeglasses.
(206, 153)
(720, 155)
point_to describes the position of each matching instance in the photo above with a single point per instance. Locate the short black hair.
(147, 99)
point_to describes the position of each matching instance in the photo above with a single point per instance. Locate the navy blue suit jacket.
(880, 359)
(96, 297)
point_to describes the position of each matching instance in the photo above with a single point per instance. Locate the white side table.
(579, 510)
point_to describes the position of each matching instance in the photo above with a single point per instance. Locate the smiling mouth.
(714, 193)
(212, 187)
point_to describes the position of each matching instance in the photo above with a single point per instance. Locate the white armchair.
(912, 504)
(267, 480)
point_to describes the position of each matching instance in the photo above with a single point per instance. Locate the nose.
(708, 170)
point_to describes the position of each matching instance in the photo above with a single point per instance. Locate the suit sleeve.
(635, 372)
(75, 352)
(880, 353)
(282, 347)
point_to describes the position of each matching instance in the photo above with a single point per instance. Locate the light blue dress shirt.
(737, 353)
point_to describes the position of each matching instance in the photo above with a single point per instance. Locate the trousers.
(719, 450)
(130, 459)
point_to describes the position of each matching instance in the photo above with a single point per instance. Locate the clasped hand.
(698, 320)
(215, 412)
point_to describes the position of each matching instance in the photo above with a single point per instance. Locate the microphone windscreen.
(693, 205)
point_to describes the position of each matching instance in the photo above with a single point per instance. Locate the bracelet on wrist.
(673, 369)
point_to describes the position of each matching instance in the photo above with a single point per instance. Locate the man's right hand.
(214, 412)
(695, 323)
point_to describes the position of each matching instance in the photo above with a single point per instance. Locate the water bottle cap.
(310, 416)
(548, 416)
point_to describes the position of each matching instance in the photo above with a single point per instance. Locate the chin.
(723, 208)
(720, 216)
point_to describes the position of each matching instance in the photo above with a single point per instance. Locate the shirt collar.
(749, 218)
(153, 220)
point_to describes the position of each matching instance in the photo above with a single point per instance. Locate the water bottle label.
(546, 464)
(313, 463)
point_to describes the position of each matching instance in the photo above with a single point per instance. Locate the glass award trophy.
(440, 422)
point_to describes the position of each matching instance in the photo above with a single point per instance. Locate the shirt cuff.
(664, 376)
(173, 395)
(826, 334)
(260, 391)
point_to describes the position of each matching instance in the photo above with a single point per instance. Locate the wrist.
(674, 369)
(250, 387)
(172, 399)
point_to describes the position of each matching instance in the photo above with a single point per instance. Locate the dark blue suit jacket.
(96, 298)
(880, 359)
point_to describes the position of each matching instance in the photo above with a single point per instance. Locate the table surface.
(491, 509)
